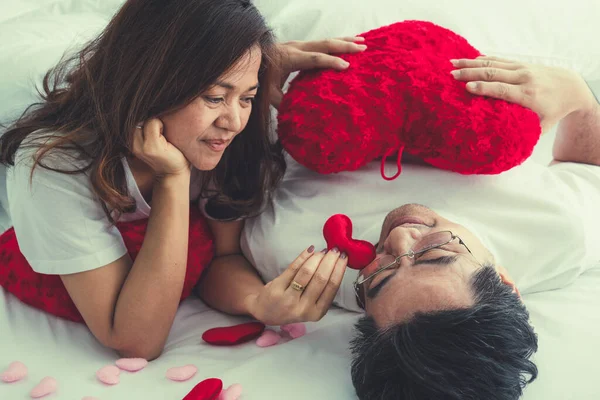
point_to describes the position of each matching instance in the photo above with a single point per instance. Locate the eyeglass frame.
(410, 254)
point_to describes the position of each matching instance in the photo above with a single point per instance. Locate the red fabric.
(399, 92)
(233, 335)
(338, 233)
(47, 292)
(208, 389)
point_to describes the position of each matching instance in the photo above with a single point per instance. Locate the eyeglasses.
(428, 242)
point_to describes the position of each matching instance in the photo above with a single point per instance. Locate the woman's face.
(203, 129)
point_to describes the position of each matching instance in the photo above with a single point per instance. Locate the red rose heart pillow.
(399, 95)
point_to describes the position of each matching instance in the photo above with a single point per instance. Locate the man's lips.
(404, 221)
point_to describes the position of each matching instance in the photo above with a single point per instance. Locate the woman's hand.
(303, 292)
(551, 92)
(151, 146)
(297, 55)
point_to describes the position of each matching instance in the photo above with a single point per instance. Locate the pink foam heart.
(180, 374)
(47, 386)
(233, 392)
(268, 338)
(294, 330)
(108, 375)
(15, 372)
(131, 364)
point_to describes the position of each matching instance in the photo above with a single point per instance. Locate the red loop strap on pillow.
(398, 163)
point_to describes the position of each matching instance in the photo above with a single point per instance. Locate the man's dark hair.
(480, 352)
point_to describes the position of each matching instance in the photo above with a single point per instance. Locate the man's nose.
(401, 240)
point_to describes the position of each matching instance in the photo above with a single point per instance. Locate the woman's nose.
(231, 119)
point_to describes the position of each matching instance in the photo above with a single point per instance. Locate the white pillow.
(24, 9)
(32, 44)
(548, 32)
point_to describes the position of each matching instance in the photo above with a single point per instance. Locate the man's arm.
(578, 136)
(557, 95)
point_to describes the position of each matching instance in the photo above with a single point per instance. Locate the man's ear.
(507, 280)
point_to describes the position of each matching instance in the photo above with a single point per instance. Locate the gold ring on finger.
(296, 286)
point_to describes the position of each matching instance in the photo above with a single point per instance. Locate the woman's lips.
(216, 145)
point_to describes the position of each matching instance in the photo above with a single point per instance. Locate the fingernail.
(343, 255)
(335, 250)
(324, 250)
(361, 46)
(455, 74)
(473, 85)
(311, 249)
(359, 38)
(344, 64)
(454, 62)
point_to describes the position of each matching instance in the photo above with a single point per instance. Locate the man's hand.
(551, 92)
(296, 56)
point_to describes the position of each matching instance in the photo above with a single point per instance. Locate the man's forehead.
(424, 292)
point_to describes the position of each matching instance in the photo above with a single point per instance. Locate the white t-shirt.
(541, 223)
(60, 224)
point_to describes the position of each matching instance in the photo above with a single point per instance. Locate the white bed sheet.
(315, 366)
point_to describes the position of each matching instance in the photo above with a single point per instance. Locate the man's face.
(435, 280)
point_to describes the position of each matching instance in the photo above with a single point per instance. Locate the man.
(444, 317)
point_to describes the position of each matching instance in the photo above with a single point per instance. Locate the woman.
(169, 88)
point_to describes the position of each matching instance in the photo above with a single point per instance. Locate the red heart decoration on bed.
(208, 389)
(338, 233)
(232, 335)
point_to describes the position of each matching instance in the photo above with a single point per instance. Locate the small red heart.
(232, 335)
(208, 389)
(338, 233)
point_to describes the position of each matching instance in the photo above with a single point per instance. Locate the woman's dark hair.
(154, 57)
(481, 352)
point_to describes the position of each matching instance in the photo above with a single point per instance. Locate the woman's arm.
(131, 307)
(233, 286)
(230, 278)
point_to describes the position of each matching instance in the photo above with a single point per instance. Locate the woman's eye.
(214, 100)
(248, 100)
